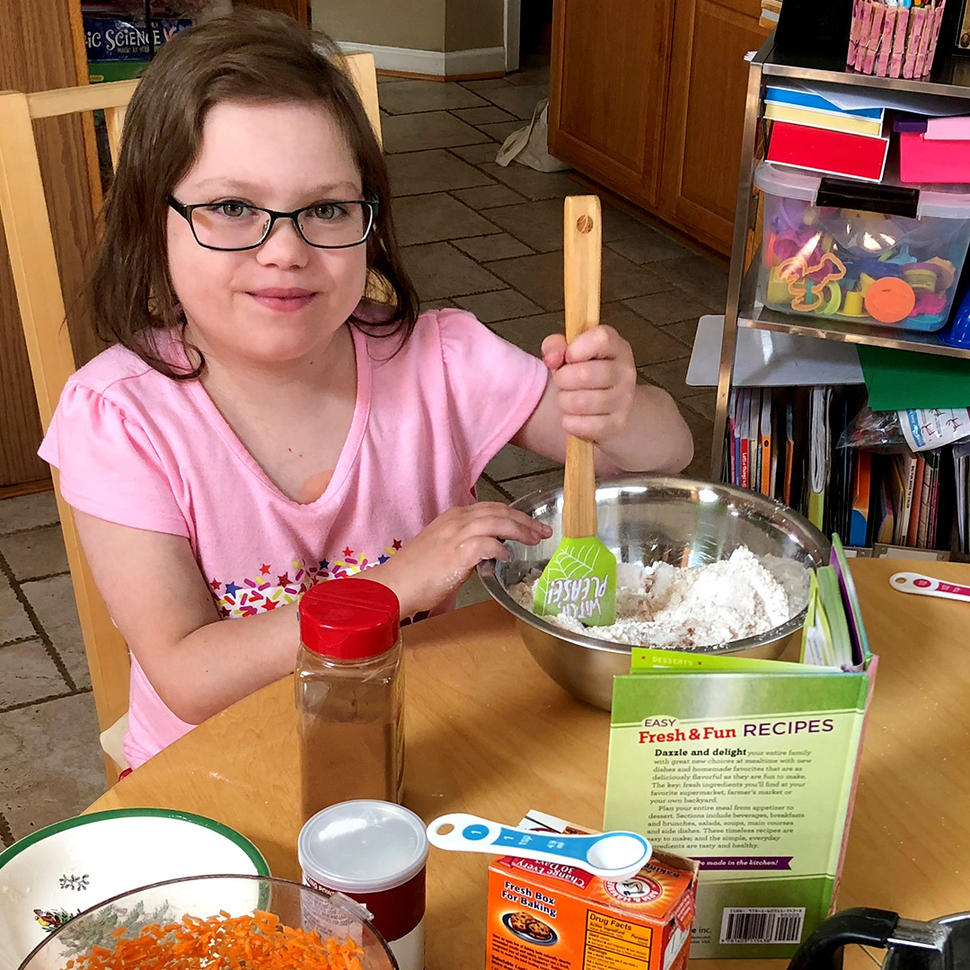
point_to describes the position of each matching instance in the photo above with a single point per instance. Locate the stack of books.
(812, 131)
(787, 443)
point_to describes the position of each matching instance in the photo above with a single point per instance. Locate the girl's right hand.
(435, 563)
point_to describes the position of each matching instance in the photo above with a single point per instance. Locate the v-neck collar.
(348, 452)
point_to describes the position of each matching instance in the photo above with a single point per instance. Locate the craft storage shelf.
(951, 80)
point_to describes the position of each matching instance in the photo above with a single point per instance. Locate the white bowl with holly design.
(53, 874)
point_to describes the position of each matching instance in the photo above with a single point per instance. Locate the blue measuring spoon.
(609, 855)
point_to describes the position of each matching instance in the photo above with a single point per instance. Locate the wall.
(417, 24)
(438, 37)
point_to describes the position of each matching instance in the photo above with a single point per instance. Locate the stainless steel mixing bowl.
(644, 519)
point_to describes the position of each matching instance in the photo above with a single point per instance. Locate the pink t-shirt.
(137, 448)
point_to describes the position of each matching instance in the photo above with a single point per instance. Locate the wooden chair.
(23, 211)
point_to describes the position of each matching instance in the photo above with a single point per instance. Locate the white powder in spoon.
(666, 606)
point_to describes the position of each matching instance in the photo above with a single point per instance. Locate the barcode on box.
(774, 924)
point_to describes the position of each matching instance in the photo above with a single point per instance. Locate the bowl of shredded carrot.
(217, 923)
(51, 875)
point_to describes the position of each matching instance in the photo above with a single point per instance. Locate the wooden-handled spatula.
(580, 580)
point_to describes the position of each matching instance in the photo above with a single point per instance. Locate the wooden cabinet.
(608, 80)
(648, 100)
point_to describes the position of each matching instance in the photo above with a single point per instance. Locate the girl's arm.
(161, 604)
(198, 663)
(593, 393)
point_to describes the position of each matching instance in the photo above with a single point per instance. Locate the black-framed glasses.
(233, 226)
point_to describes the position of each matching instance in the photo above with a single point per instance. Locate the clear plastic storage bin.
(831, 254)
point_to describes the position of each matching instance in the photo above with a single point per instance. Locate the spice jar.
(349, 694)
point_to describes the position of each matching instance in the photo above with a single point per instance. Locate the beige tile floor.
(475, 234)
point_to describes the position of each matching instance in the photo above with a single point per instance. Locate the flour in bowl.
(667, 606)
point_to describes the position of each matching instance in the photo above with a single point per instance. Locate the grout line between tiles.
(518, 478)
(36, 624)
(498, 488)
(42, 577)
(17, 640)
(29, 528)
(20, 705)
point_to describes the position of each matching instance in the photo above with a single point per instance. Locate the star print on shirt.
(324, 564)
(264, 569)
(348, 551)
(231, 589)
(283, 580)
(396, 544)
(214, 583)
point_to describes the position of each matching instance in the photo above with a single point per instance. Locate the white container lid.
(363, 846)
(942, 202)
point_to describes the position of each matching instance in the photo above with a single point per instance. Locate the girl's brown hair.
(252, 56)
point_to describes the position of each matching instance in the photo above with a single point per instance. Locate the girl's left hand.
(595, 379)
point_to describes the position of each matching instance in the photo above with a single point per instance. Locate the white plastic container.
(826, 254)
(374, 852)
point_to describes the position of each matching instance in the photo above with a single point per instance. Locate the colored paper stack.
(894, 38)
(934, 149)
(809, 131)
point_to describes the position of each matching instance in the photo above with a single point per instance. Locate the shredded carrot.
(255, 942)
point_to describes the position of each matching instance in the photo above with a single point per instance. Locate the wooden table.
(488, 732)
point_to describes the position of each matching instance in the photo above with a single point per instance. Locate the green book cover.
(749, 767)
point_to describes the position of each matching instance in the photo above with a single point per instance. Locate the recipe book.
(749, 767)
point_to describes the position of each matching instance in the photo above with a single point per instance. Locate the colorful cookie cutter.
(854, 305)
(929, 304)
(948, 269)
(807, 282)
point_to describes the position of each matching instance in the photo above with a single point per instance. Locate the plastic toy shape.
(807, 282)
(890, 300)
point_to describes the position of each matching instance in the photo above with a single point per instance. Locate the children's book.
(765, 441)
(885, 515)
(904, 478)
(859, 515)
(916, 510)
(749, 767)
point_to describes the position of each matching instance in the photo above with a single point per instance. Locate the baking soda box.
(548, 916)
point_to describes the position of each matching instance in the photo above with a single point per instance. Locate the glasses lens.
(336, 223)
(229, 225)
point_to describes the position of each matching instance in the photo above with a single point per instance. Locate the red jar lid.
(349, 618)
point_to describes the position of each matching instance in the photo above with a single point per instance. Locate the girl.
(258, 425)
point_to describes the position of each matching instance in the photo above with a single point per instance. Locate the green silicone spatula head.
(580, 580)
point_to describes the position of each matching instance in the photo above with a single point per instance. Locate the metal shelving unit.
(951, 80)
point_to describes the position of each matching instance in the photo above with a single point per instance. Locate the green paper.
(900, 380)
(580, 581)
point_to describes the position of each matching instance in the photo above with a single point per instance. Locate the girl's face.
(282, 302)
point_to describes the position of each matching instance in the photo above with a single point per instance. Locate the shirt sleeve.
(108, 466)
(493, 386)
